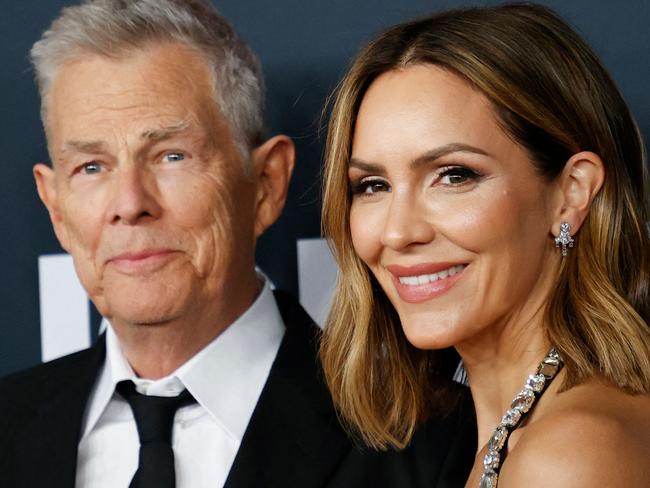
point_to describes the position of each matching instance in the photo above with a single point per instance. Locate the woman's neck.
(498, 363)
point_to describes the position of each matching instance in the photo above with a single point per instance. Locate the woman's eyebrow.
(366, 166)
(441, 151)
(424, 158)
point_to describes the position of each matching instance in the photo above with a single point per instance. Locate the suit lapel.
(293, 438)
(48, 440)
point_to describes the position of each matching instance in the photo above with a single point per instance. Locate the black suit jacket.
(293, 439)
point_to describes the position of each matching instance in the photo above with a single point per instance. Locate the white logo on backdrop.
(65, 313)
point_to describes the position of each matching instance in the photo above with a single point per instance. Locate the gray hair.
(115, 28)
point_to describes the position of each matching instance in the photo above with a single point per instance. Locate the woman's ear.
(273, 164)
(578, 184)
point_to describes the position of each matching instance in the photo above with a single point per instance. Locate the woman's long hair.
(553, 96)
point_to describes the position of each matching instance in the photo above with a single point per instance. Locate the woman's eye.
(368, 187)
(457, 175)
(91, 168)
(173, 157)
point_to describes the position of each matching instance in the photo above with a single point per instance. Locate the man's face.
(148, 191)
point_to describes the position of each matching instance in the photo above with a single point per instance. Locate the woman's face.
(448, 211)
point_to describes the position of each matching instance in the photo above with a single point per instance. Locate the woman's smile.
(423, 282)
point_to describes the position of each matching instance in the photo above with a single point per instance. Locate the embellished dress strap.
(521, 406)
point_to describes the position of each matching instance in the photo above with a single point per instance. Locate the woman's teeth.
(429, 278)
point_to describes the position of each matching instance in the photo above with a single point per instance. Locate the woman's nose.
(406, 223)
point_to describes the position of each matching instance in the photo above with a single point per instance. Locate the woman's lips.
(423, 282)
(138, 262)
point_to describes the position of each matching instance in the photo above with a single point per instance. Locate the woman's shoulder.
(590, 435)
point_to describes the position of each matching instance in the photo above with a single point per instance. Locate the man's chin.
(144, 318)
(147, 309)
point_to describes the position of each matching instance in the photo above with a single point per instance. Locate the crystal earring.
(564, 239)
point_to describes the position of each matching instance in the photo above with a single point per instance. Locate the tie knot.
(154, 415)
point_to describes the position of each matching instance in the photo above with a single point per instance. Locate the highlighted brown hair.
(554, 97)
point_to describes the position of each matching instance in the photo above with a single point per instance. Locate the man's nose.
(407, 223)
(134, 196)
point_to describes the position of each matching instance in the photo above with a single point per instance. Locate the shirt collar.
(226, 377)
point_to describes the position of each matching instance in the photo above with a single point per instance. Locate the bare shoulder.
(591, 435)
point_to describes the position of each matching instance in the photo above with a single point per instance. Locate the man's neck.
(157, 350)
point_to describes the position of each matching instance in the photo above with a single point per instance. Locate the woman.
(486, 188)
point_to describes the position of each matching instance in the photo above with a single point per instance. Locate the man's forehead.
(158, 95)
(163, 79)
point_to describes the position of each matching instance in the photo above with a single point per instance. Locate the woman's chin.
(429, 337)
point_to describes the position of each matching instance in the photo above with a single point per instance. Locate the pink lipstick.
(423, 282)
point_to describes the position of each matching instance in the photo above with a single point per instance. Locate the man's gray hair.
(115, 28)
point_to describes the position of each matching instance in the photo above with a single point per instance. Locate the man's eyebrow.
(153, 135)
(87, 147)
(424, 158)
(165, 132)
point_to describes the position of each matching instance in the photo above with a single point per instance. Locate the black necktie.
(154, 417)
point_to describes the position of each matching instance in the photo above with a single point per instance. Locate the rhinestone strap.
(523, 403)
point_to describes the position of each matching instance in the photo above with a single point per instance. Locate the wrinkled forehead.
(153, 91)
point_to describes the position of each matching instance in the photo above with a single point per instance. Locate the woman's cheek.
(476, 220)
(365, 230)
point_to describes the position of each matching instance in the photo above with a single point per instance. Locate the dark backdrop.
(305, 47)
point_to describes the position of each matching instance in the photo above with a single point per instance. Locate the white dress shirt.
(226, 378)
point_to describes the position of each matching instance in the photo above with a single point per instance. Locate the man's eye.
(457, 175)
(368, 187)
(91, 168)
(173, 157)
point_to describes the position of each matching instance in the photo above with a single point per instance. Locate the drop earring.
(564, 239)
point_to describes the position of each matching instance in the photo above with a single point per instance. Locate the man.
(160, 184)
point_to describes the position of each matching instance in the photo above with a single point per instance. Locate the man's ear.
(46, 186)
(578, 184)
(273, 164)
